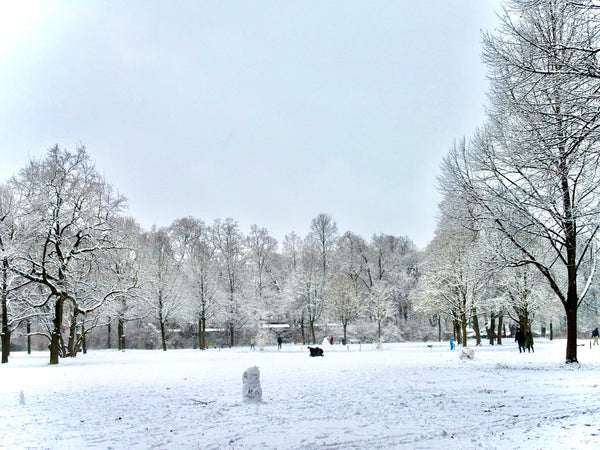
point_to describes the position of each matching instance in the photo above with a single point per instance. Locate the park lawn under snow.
(411, 395)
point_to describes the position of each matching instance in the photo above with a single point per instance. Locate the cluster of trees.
(73, 262)
(524, 190)
(516, 236)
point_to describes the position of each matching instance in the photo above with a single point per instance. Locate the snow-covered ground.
(404, 396)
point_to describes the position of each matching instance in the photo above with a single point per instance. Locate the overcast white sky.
(266, 112)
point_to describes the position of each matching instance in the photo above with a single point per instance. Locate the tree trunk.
(312, 332)
(492, 329)
(463, 326)
(28, 337)
(500, 330)
(231, 335)
(5, 327)
(457, 333)
(5, 344)
(571, 311)
(524, 320)
(71, 347)
(476, 327)
(571, 233)
(55, 336)
(345, 327)
(121, 332)
(108, 329)
(163, 335)
(202, 333)
(5, 331)
(551, 332)
(83, 342)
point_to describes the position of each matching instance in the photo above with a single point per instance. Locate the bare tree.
(346, 300)
(261, 255)
(66, 222)
(229, 243)
(310, 290)
(395, 266)
(323, 236)
(162, 280)
(452, 283)
(195, 243)
(8, 282)
(532, 173)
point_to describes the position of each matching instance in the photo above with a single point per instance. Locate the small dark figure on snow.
(520, 339)
(529, 341)
(595, 336)
(315, 351)
(279, 342)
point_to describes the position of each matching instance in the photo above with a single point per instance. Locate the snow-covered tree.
(262, 250)
(161, 280)
(310, 291)
(231, 252)
(323, 237)
(8, 282)
(346, 301)
(66, 224)
(452, 283)
(532, 173)
(195, 237)
(291, 285)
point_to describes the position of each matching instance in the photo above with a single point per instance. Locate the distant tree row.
(72, 262)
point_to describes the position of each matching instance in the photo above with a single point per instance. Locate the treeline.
(74, 263)
(516, 240)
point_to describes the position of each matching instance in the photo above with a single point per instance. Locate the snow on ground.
(406, 396)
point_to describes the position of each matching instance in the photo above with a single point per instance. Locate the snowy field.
(407, 396)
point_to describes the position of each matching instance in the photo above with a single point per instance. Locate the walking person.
(529, 342)
(251, 343)
(279, 342)
(595, 335)
(520, 339)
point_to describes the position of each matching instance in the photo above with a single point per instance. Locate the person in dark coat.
(595, 336)
(520, 339)
(279, 342)
(529, 341)
(315, 351)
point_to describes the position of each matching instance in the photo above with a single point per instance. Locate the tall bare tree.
(261, 256)
(8, 284)
(67, 224)
(162, 281)
(229, 243)
(532, 174)
(195, 244)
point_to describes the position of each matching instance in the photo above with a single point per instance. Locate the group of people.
(279, 343)
(524, 340)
